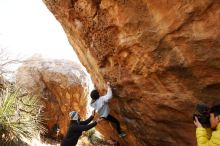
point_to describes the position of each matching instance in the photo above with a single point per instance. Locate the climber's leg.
(114, 121)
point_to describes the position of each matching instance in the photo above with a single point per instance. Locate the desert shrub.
(20, 116)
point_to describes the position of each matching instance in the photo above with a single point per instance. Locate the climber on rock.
(205, 136)
(76, 128)
(100, 104)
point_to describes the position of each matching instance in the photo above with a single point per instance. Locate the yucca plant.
(20, 116)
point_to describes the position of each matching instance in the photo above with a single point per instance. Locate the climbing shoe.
(122, 135)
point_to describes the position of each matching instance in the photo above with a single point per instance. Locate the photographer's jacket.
(207, 138)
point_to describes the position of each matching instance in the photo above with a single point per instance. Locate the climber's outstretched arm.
(108, 96)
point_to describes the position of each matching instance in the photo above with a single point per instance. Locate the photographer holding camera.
(205, 136)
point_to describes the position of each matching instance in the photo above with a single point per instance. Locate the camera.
(202, 114)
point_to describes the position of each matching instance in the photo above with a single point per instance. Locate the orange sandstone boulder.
(61, 85)
(161, 57)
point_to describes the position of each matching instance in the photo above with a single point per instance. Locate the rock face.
(161, 57)
(62, 86)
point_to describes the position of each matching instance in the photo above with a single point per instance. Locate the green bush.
(20, 116)
(93, 138)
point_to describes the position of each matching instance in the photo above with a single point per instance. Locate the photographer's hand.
(197, 123)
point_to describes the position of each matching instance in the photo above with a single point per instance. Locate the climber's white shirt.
(101, 104)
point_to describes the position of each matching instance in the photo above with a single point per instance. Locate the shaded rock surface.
(161, 57)
(62, 86)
